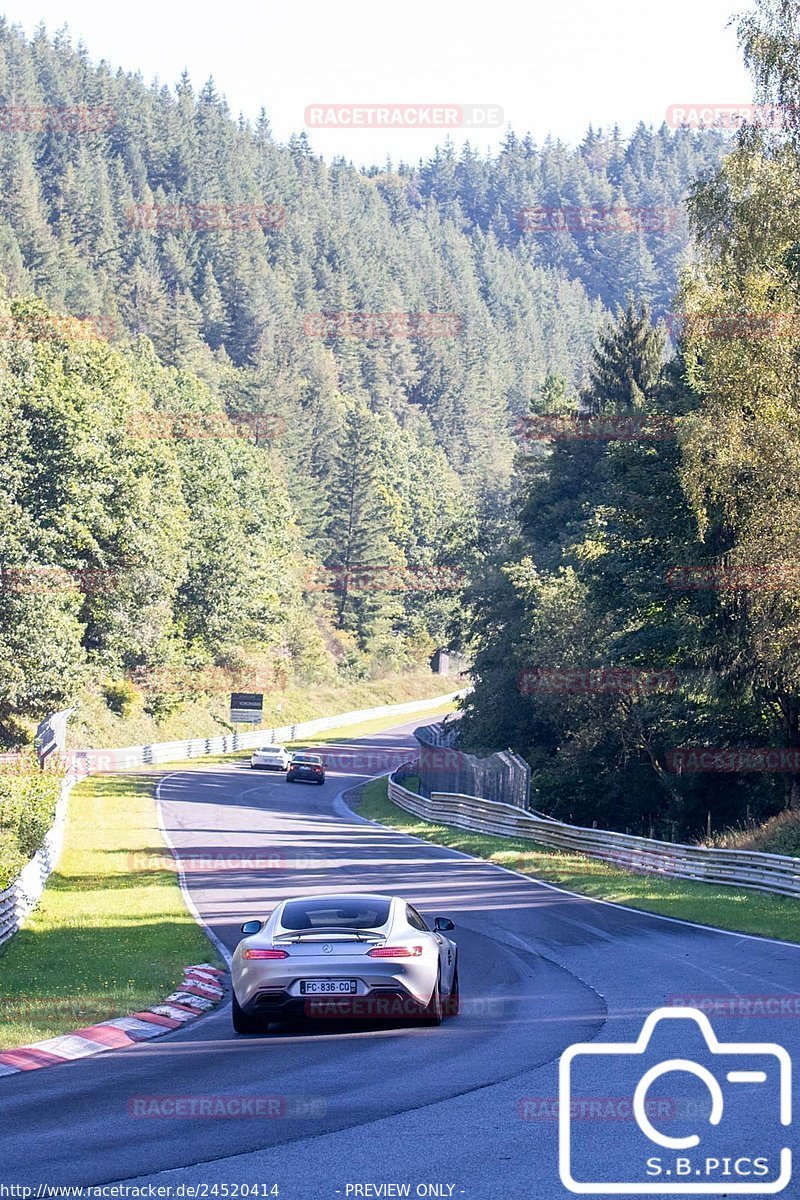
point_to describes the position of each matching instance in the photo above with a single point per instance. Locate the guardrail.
(164, 752)
(19, 899)
(22, 896)
(775, 873)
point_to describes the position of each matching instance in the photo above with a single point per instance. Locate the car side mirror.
(443, 925)
(252, 927)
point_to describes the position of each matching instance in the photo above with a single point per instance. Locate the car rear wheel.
(453, 1003)
(243, 1022)
(433, 1012)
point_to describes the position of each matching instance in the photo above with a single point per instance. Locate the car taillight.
(251, 953)
(395, 952)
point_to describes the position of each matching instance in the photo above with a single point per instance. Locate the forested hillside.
(639, 637)
(374, 335)
(103, 221)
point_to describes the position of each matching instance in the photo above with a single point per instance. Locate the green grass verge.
(725, 907)
(111, 934)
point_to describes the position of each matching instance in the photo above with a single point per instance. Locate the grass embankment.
(111, 934)
(707, 904)
(779, 835)
(206, 715)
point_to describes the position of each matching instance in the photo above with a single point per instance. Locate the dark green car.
(309, 767)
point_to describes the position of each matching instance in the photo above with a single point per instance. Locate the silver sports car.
(344, 956)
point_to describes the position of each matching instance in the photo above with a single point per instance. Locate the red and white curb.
(200, 991)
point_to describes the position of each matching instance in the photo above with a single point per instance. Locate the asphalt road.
(467, 1109)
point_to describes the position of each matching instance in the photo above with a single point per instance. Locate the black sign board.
(247, 708)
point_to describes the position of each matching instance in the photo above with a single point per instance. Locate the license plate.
(328, 987)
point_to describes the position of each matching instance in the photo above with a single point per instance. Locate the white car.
(352, 956)
(271, 758)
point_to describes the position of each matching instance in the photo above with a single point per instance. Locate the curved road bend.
(540, 969)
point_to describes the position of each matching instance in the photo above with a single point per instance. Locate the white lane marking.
(343, 809)
(222, 949)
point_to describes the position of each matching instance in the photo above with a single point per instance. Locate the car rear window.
(307, 758)
(353, 913)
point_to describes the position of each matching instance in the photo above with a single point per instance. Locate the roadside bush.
(11, 859)
(27, 807)
(120, 696)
